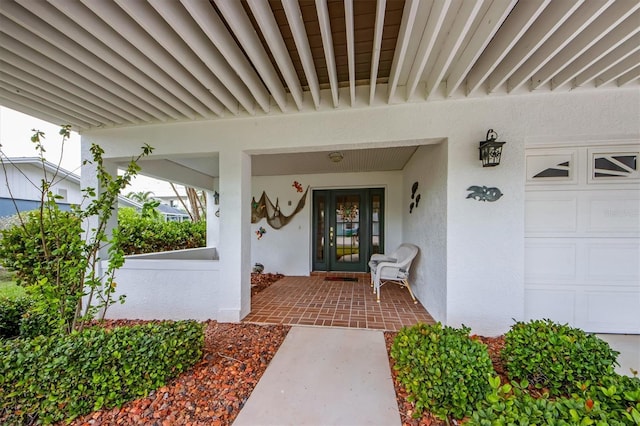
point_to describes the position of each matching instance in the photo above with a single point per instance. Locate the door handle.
(331, 236)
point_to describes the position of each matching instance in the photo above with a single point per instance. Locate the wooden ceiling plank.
(327, 43)
(577, 23)
(491, 23)
(34, 94)
(46, 108)
(41, 79)
(147, 18)
(60, 98)
(545, 26)
(211, 24)
(127, 27)
(40, 46)
(404, 35)
(170, 105)
(513, 29)
(376, 49)
(348, 16)
(240, 24)
(36, 113)
(183, 24)
(294, 17)
(106, 98)
(271, 33)
(606, 44)
(629, 76)
(611, 18)
(430, 33)
(619, 67)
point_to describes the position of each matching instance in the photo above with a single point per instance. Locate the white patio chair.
(394, 267)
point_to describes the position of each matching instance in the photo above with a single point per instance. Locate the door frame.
(326, 263)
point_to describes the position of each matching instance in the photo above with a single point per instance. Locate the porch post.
(234, 245)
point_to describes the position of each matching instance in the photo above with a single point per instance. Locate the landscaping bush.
(555, 357)
(49, 379)
(614, 401)
(137, 234)
(11, 313)
(442, 368)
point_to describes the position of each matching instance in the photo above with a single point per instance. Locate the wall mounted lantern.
(490, 150)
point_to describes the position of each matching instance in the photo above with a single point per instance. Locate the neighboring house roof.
(232, 59)
(168, 210)
(49, 167)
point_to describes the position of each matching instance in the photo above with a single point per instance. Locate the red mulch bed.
(407, 409)
(260, 282)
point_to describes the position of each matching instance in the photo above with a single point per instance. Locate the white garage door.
(582, 246)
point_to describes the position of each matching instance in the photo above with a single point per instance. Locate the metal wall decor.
(414, 197)
(260, 232)
(483, 193)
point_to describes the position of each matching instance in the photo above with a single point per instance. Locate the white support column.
(213, 221)
(235, 236)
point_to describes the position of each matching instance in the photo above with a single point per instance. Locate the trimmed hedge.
(11, 313)
(137, 234)
(555, 357)
(443, 369)
(61, 377)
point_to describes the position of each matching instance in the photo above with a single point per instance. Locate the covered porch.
(323, 299)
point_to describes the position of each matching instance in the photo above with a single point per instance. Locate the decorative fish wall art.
(483, 193)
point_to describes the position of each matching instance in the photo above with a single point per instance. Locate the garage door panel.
(613, 262)
(549, 303)
(552, 214)
(550, 261)
(619, 212)
(609, 312)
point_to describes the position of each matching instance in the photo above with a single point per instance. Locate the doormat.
(340, 279)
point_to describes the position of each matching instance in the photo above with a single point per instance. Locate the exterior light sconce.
(336, 157)
(490, 150)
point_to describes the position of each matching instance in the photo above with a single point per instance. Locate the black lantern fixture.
(490, 150)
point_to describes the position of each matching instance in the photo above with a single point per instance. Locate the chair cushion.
(377, 258)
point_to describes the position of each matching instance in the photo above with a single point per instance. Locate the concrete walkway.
(325, 376)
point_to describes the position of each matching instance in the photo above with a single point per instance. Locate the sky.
(15, 138)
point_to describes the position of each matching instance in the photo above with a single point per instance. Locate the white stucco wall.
(426, 226)
(485, 241)
(288, 250)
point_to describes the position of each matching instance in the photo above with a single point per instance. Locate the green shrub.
(61, 377)
(137, 234)
(444, 371)
(555, 357)
(614, 401)
(11, 313)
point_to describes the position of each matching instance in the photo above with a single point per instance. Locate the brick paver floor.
(314, 301)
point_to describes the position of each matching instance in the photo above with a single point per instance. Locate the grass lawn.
(8, 287)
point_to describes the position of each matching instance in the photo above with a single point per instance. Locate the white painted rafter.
(523, 15)
(214, 28)
(142, 12)
(45, 81)
(436, 15)
(547, 23)
(626, 51)
(240, 24)
(351, 59)
(121, 22)
(294, 18)
(59, 48)
(404, 36)
(606, 44)
(327, 45)
(490, 24)
(628, 77)
(269, 27)
(182, 23)
(604, 24)
(36, 105)
(39, 111)
(466, 15)
(618, 69)
(577, 23)
(375, 51)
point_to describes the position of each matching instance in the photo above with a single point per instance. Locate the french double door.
(348, 226)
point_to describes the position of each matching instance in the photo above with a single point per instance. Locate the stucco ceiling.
(106, 63)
